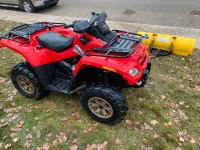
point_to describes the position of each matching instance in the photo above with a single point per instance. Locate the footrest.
(60, 85)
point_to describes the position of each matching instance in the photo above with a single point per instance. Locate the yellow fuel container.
(176, 45)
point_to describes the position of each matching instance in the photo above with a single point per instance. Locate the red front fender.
(110, 64)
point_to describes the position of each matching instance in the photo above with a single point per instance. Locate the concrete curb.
(132, 27)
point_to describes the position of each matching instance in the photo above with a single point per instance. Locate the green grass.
(145, 105)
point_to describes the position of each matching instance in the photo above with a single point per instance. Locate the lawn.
(164, 115)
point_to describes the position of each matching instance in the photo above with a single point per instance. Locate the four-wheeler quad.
(91, 57)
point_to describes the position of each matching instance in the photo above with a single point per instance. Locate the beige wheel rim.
(100, 107)
(25, 84)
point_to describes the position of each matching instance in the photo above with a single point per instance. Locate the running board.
(9, 5)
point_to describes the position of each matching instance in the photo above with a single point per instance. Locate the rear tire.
(27, 6)
(26, 82)
(54, 4)
(104, 103)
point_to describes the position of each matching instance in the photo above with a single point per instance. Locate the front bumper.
(42, 3)
(49, 2)
(145, 74)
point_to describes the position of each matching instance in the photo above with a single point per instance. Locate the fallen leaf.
(156, 101)
(118, 141)
(51, 105)
(74, 147)
(16, 140)
(192, 141)
(154, 122)
(181, 86)
(182, 114)
(70, 104)
(145, 141)
(156, 135)
(38, 134)
(112, 129)
(180, 143)
(80, 121)
(10, 110)
(177, 148)
(150, 148)
(166, 124)
(15, 129)
(171, 114)
(8, 146)
(74, 141)
(46, 146)
(181, 103)
(4, 124)
(169, 123)
(85, 131)
(49, 135)
(14, 92)
(129, 123)
(29, 136)
(28, 110)
(37, 118)
(103, 146)
(181, 139)
(147, 127)
(55, 142)
(187, 106)
(21, 124)
(64, 119)
(197, 104)
(96, 124)
(163, 96)
(75, 115)
(90, 129)
(46, 139)
(3, 138)
(62, 137)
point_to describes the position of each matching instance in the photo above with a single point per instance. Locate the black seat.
(55, 41)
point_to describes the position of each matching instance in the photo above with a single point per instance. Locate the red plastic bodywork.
(38, 57)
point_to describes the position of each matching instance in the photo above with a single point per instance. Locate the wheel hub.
(25, 84)
(100, 107)
(27, 7)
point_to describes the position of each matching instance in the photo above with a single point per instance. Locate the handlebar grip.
(69, 26)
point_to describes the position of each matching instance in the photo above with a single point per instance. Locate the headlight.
(134, 72)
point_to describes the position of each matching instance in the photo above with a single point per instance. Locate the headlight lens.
(134, 72)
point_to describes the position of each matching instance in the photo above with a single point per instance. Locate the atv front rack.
(124, 46)
(22, 33)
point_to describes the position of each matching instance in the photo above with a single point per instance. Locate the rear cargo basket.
(22, 33)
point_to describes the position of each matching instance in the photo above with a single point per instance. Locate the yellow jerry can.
(176, 45)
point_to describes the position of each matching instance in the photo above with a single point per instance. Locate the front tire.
(27, 6)
(104, 103)
(26, 82)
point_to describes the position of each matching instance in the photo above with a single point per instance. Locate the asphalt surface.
(175, 13)
(178, 13)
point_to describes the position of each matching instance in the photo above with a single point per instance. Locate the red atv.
(91, 57)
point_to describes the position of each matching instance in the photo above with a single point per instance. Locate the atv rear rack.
(24, 31)
(124, 46)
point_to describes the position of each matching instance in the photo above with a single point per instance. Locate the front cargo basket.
(123, 47)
